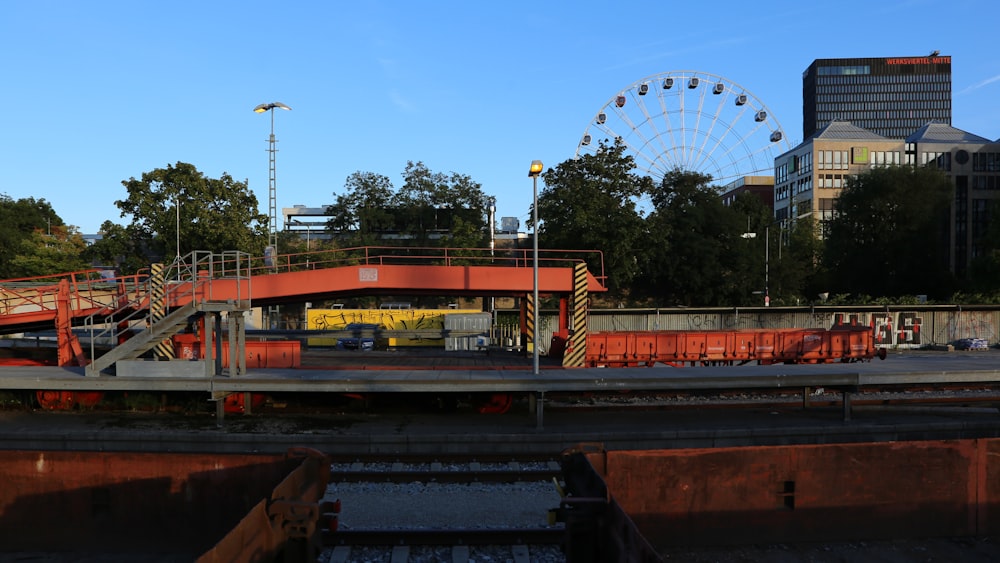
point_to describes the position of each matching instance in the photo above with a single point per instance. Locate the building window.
(986, 162)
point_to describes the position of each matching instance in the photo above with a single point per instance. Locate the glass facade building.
(891, 97)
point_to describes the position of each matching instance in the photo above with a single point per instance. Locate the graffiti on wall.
(390, 319)
(901, 330)
(971, 324)
(908, 328)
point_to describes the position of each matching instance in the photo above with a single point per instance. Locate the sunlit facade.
(809, 178)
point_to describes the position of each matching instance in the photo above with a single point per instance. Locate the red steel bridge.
(206, 282)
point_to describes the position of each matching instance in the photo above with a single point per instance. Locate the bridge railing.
(90, 291)
(188, 279)
(437, 256)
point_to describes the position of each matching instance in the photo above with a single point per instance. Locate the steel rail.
(445, 536)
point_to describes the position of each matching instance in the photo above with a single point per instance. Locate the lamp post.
(767, 258)
(272, 197)
(308, 227)
(533, 173)
(767, 261)
(177, 210)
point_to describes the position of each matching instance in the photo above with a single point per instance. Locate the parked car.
(359, 341)
(972, 344)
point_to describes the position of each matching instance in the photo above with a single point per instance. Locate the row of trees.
(888, 239)
(34, 241)
(682, 247)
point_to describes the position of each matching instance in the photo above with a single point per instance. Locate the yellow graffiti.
(390, 319)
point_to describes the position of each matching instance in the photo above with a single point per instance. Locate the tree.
(984, 271)
(430, 209)
(889, 235)
(589, 203)
(753, 258)
(179, 202)
(50, 251)
(696, 252)
(118, 246)
(432, 203)
(799, 265)
(364, 211)
(34, 240)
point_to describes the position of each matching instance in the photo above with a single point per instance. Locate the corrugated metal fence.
(896, 327)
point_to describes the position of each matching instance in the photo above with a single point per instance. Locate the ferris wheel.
(694, 121)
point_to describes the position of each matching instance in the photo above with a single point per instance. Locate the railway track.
(978, 396)
(445, 537)
(438, 470)
(428, 508)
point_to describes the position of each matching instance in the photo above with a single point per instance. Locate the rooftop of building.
(847, 131)
(943, 133)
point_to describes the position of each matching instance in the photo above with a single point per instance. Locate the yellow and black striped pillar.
(529, 323)
(576, 345)
(158, 309)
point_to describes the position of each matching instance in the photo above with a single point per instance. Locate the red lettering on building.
(918, 61)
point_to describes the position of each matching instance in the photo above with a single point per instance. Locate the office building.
(972, 163)
(809, 178)
(761, 187)
(891, 96)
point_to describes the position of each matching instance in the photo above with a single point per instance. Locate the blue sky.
(97, 92)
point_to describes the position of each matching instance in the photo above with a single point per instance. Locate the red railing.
(35, 299)
(437, 256)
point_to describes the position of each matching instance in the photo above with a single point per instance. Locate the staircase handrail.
(188, 279)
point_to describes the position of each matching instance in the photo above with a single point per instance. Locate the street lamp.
(533, 173)
(767, 261)
(767, 258)
(177, 210)
(272, 200)
(272, 197)
(308, 227)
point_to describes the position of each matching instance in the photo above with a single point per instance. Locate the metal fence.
(897, 327)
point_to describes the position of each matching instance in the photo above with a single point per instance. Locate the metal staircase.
(175, 298)
(139, 344)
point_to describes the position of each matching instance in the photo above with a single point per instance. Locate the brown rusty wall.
(268, 529)
(988, 491)
(825, 492)
(102, 500)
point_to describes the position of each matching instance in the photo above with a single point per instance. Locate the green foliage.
(797, 263)
(589, 203)
(57, 250)
(359, 215)
(889, 234)
(179, 202)
(973, 298)
(984, 272)
(34, 241)
(431, 209)
(431, 204)
(697, 254)
(118, 246)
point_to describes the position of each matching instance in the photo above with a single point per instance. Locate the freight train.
(729, 347)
